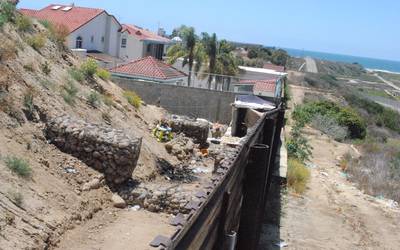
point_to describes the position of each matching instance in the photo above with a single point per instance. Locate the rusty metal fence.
(230, 209)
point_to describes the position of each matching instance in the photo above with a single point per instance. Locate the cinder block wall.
(194, 102)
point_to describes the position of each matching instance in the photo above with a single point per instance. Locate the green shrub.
(89, 68)
(133, 98)
(69, 92)
(297, 145)
(7, 12)
(103, 74)
(76, 74)
(377, 113)
(37, 41)
(18, 166)
(329, 126)
(29, 67)
(94, 99)
(46, 68)
(297, 175)
(45, 23)
(344, 116)
(24, 23)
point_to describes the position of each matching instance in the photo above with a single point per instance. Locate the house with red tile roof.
(96, 31)
(150, 69)
(90, 28)
(270, 87)
(137, 42)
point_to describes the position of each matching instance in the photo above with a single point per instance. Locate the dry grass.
(133, 98)
(377, 171)
(297, 176)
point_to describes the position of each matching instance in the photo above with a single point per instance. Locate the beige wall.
(134, 48)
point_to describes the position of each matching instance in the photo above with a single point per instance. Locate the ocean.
(368, 63)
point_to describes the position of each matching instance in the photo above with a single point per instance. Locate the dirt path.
(333, 213)
(117, 229)
(311, 65)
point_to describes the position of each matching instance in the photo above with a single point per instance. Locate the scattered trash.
(324, 174)
(70, 170)
(214, 140)
(163, 132)
(134, 208)
(392, 204)
(310, 165)
(281, 244)
(343, 174)
(201, 170)
(204, 151)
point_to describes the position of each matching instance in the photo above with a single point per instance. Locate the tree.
(189, 49)
(252, 54)
(210, 46)
(279, 57)
(226, 63)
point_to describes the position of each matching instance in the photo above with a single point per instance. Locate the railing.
(230, 208)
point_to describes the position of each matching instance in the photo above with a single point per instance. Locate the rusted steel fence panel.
(224, 214)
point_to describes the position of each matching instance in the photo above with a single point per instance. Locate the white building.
(99, 32)
(137, 43)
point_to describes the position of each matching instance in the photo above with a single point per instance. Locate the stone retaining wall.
(105, 149)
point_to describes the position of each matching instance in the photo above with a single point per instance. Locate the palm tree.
(226, 63)
(210, 44)
(188, 50)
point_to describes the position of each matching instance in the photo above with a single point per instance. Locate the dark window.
(78, 44)
(102, 39)
(92, 39)
(123, 43)
(148, 47)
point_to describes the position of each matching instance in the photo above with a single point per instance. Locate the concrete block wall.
(194, 102)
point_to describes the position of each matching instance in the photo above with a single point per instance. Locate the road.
(388, 82)
(311, 65)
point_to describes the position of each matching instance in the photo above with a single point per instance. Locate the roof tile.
(149, 67)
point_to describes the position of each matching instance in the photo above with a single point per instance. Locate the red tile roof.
(143, 34)
(274, 67)
(267, 85)
(73, 19)
(149, 67)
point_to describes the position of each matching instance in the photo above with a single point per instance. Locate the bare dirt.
(333, 213)
(51, 209)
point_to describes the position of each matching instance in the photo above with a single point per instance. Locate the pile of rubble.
(197, 129)
(107, 150)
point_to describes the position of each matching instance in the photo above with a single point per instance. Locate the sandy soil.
(116, 229)
(333, 213)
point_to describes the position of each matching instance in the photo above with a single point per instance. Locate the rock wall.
(105, 149)
(195, 129)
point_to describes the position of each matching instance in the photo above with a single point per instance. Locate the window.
(123, 43)
(92, 39)
(102, 39)
(78, 44)
(148, 47)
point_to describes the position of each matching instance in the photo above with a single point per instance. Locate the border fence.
(230, 209)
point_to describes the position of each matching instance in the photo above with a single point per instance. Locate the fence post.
(253, 189)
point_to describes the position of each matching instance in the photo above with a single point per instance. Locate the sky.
(366, 28)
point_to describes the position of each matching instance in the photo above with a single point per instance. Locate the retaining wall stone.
(103, 148)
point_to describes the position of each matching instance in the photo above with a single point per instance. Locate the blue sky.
(352, 27)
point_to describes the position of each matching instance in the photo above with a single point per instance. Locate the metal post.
(253, 188)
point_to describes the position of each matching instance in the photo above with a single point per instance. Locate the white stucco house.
(91, 29)
(96, 31)
(137, 43)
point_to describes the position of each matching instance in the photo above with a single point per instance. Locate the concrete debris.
(181, 147)
(117, 201)
(195, 129)
(93, 184)
(70, 170)
(107, 150)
